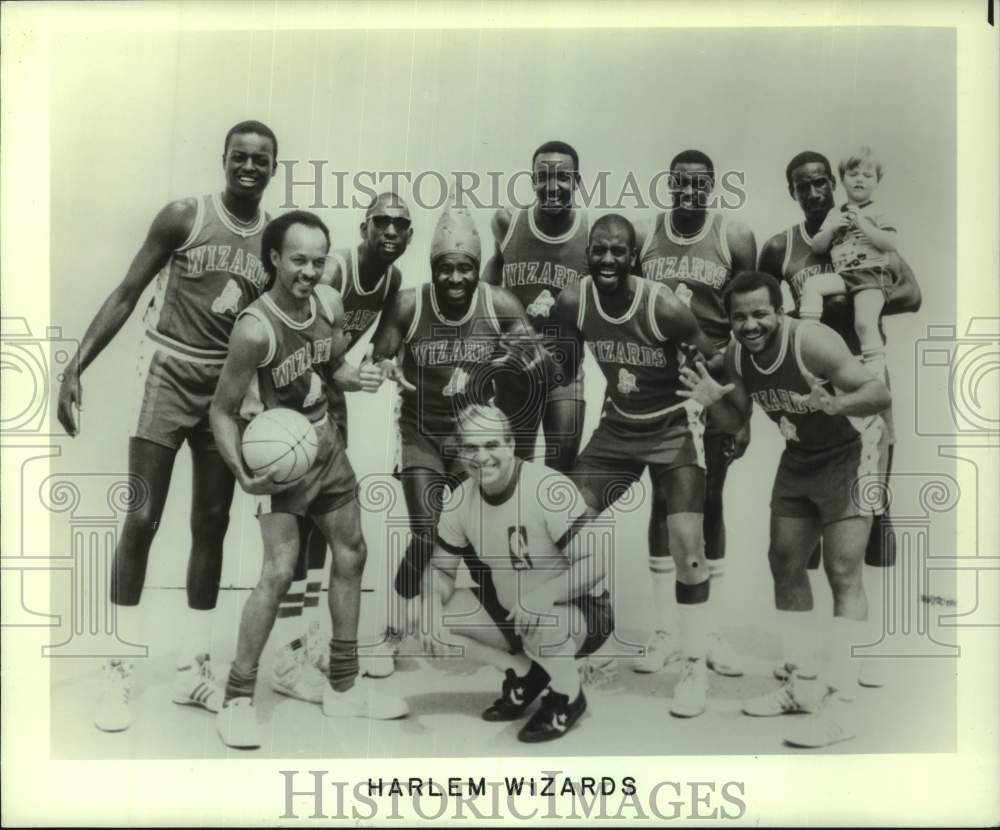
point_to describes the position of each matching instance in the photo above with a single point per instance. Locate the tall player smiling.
(204, 253)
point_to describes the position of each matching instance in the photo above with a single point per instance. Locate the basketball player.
(635, 329)
(535, 606)
(285, 347)
(539, 251)
(204, 253)
(456, 336)
(826, 406)
(696, 252)
(366, 278)
(788, 256)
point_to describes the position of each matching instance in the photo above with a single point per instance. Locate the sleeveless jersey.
(695, 268)
(301, 357)
(639, 362)
(537, 267)
(772, 389)
(361, 308)
(441, 358)
(205, 284)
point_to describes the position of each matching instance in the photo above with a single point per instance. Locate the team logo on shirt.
(541, 305)
(228, 302)
(315, 390)
(684, 294)
(626, 382)
(520, 557)
(787, 429)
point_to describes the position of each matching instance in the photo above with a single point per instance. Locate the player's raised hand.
(522, 351)
(818, 398)
(702, 388)
(70, 401)
(369, 374)
(391, 371)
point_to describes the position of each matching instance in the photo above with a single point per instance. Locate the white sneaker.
(783, 670)
(819, 730)
(873, 674)
(661, 648)
(317, 647)
(294, 676)
(788, 699)
(113, 714)
(721, 657)
(237, 724)
(380, 660)
(195, 685)
(691, 692)
(362, 700)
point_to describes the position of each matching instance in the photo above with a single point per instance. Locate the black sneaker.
(554, 718)
(517, 694)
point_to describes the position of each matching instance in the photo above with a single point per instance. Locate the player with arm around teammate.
(804, 377)
(535, 606)
(284, 348)
(635, 329)
(204, 254)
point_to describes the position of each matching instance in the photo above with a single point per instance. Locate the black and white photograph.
(547, 412)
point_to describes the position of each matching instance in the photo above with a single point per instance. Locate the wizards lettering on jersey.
(631, 354)
(220, 258)
(799, 278)
(301, 360)
(692, 268)
(528, 273)
(359, 319)
(781, 400)
(450, 352)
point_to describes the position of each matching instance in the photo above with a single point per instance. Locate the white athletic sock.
(196, 637)
(719, 596)
(563, 675)
(129, 624)
(290, 611)
(313, 599)
(695, 623)
(663, 573)
(799, 639)
(842, 668)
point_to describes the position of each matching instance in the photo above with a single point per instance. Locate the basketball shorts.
(618, 453)
(434, 451)
(839, 483)
(328, 486)
(175, 398)
(598, 616)
(864, 279)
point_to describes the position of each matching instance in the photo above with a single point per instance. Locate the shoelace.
(599, 676)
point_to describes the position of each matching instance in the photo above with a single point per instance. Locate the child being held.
(859, 240)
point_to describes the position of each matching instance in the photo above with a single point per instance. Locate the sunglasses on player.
(382, 223)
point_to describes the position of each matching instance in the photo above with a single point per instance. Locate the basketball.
(280, 439)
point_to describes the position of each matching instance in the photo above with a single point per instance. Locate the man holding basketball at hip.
(284, 348)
